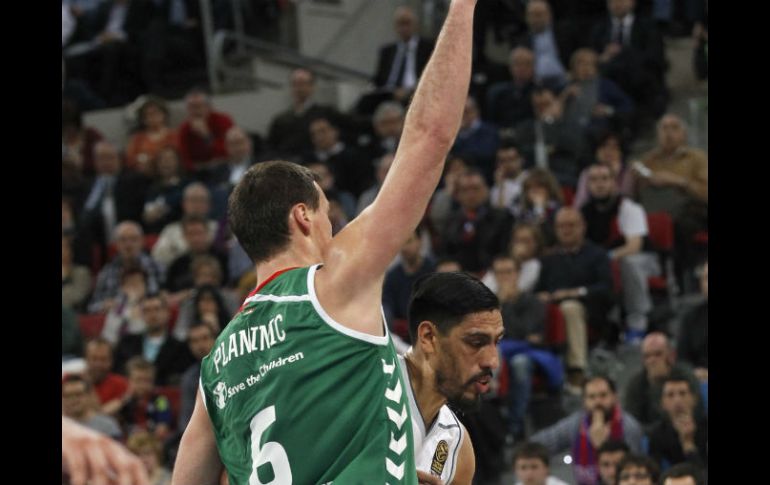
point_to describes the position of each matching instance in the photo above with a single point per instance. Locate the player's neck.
(429, 400)
(292, 258)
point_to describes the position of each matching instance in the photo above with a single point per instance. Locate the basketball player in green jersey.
(303, 385)
(455, 325)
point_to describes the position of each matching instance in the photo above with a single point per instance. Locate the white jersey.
(436, 449)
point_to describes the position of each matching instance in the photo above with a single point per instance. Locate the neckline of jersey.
(262, 285)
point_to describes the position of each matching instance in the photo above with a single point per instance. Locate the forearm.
(632, 246)
(430, 128)
(434, 117)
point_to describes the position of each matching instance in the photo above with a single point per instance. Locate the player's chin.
(469, 401)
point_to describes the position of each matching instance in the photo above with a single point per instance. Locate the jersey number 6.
(272, 452)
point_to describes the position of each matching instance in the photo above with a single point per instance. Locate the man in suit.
(289, 134)
(174, 42)
(631, 54)
(169, 356)
(111, 63)
(552, 44)
(510, 102)
(115, 195)
(401, 63)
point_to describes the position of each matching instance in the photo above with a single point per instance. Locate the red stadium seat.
(568, 193)
(661, 235)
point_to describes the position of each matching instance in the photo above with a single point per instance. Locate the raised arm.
(360, 254)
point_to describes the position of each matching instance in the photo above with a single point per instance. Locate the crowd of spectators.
(539, 199)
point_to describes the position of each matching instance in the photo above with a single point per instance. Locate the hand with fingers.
(89, 457)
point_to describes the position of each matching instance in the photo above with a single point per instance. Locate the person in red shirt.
(109, 387)
(202, 134)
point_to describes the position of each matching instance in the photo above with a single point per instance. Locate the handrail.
(286, 55)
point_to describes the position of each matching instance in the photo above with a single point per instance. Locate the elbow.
(439, 134)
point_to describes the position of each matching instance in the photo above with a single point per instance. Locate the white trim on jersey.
(372, 339)
(203, 394)
(277, 298)
(423, 456)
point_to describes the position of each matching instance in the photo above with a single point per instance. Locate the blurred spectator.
(202, 134)
(476, 231)
(387, 123)
(382, 166)
(179, 276)
(163, 204)
(68, 24)
(200, 340)
(540, 201)
(208, 301)
(526, 248)
(108, 58)
(397, 288)
(174, 40)
(510, 102)
(115, 195)
(196, 202)
(77, 403)
(682, 474)
(289, 132)
(644, 389)
(593, 102)
(693, 339)
(524, 322)
(576, 277)
(71, 342)
(631, 53)
(125, 316)
(327, 181)
(444, 200)
(584, 431)
(446, 265)
(152, 135)
(224, 177)
(620, 225)
(608, 456)
(77, 141)
(109, 386)
(128, 238)
(550, 140)
(75, 279)
(144, 408)
(509, 177)
(150, 450)
(169, 356)
(531, 465)
(677, 183)
(609, 151)
(637, 469)
(552, 44)
(400, 64)
(477, 140)
(352, 172)
(682, 434)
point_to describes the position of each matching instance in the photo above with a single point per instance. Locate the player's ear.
(427, 335)
(300, 215)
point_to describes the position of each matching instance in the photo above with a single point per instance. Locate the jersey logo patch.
(439, 458)
(220, 392)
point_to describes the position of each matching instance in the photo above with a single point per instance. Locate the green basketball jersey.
(295, 397)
